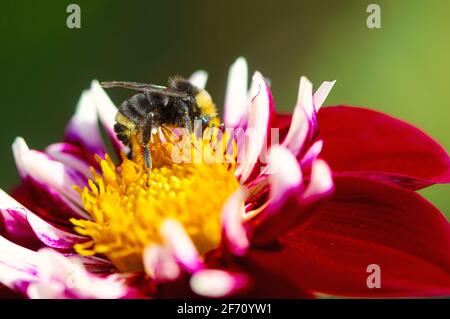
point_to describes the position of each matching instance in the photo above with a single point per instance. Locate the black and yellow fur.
(177, 105)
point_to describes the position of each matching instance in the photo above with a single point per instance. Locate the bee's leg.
(187, 122)
(147, 157)
(205, 119)
(146, 135)
(183, 109)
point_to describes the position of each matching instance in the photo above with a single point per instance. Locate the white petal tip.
(99, 94)
(284, 170)
(321, 183)
(199, 79)
(96, 86)
(322, 93)
(257, 76)
(95, 82)
(19, 145)
(305, 80)
(84, 121)
(19, 148)
(105, 107)
(236, 95)
(305, 97)
(216, 283)
(241, 63)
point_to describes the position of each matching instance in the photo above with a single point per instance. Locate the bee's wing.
(142, 87)
(130, 85)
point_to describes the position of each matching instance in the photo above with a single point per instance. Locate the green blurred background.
(402, 69)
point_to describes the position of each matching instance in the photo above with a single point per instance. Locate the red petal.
(270, 280)
(7, 293)
(267, 278)
(283, 122)
(362, 142)
(368, 222)
(43, 201)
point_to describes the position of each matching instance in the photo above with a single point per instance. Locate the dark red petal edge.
(367, 143)
(7, 293)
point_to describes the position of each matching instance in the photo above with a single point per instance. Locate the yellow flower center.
(128, 203)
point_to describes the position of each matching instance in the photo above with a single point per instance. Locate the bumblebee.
(177, 105)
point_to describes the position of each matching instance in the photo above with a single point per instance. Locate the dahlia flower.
(303, 215)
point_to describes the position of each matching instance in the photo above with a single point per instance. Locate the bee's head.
(196, 96)
(179, 83)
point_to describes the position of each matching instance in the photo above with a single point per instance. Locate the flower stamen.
(128, 203)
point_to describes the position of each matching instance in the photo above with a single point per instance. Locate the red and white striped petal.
(71, 156)
(257, 130)
(17, 264)
(303, 113)
(6, 203)
(284, 173)
(44, 170)
(290, 203)
(17, 218)
(62, 277)
(234, 232)
(51, 235)
(160, 264)
(83, 128)
(311, 154)
(17, 229)
(181, 246)
(286, 186)
(47, 274)
(52, 176)
(93, 264)
(107, 112)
